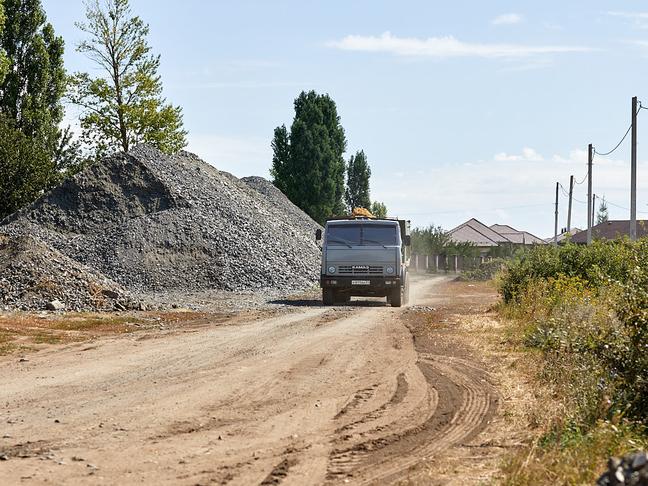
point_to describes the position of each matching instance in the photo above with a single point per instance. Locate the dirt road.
(311, 396)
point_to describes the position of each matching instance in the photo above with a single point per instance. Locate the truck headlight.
(331, 269)
(390, 270)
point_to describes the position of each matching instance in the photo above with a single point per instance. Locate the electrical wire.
(622, 139)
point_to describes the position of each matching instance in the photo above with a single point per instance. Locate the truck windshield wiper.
(340, 240)
(376, 242)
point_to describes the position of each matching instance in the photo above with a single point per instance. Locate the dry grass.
(20, 332)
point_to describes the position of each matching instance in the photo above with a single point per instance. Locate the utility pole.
(590, 160)
(571, 194)
(593, 209)
(556, 217)
(633, 173)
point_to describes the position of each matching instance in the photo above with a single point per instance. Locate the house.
(487, 238)
(564, 236)
(517, 237)
(611, 230)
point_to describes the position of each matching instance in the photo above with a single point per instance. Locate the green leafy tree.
(25, 165)
(378, 209)
(280, 170)
(602, 216)
(32, 90)
(33, 149)
(126, 106)
(356, 194)
(308, 165)
(432, 240)
(4, 60)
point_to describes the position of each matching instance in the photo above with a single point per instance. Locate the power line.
(622, 139)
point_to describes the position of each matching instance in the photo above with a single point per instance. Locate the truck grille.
(360, 270)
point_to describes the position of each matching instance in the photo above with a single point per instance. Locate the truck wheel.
(327, 296)
(396, 298)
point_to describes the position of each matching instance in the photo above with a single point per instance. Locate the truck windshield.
(362, 234)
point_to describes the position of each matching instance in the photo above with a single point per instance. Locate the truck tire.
(327, 296)
(396, 299)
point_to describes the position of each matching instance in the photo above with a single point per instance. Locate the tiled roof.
(611, 230)
(518, 237)
(476, 232)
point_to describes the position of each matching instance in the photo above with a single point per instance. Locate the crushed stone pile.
(150, 221)
(34, 276)
(630, 470)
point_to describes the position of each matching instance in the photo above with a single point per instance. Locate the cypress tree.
(310, 167)
(357, 186)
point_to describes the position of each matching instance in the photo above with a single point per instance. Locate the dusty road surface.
(313, 395)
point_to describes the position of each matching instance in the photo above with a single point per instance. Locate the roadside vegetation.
(581, 313)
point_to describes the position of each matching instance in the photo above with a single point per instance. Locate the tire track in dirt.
(460, 404)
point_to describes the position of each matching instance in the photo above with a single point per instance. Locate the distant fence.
(445, 263)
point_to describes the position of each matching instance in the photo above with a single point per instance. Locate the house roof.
(518, 237)
(611, 230)
(475, 232)
(564, 235)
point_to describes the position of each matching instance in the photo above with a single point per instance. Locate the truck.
(365, 256)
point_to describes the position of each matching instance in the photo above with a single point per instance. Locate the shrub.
(586, 309)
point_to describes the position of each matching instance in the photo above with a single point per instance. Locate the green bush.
(586, 309)
(484, 271)
(25, 168)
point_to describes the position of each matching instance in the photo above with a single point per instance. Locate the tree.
(432, 240)
(280, 170)
(378, 209)
(308, 165)
(602, 215)
(4, 60)
(356, 194)
(25, 165)
(32, 90)
(126, 107)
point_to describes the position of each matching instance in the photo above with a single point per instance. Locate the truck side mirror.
(318, 235)
(408, 240)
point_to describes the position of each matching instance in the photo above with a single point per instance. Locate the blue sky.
(464, 108)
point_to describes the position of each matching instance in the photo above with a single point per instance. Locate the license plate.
(360, 282)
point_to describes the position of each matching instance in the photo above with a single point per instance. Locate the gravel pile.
(284, 208)
(631, 470)
(150, 221)
(34, 276)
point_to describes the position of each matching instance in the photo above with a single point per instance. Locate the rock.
(55, 305)
(630, 470)
(4, 457)
(111, 294)
(639, 461)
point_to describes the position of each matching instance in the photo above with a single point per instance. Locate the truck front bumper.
(361, 286)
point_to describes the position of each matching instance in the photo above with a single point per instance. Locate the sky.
(464, 108)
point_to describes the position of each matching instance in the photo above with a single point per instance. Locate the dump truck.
(365, 256)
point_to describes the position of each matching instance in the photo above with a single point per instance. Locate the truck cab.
(363, 256)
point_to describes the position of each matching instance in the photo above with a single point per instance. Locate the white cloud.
(445, 47)
(507, 19)
(640, 19)
(510, 188)
(528, 155)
